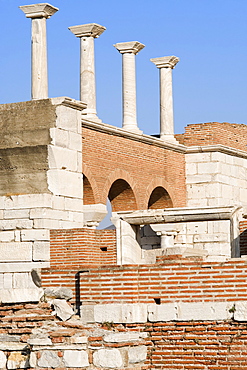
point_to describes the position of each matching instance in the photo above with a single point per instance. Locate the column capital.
(87, 30)
(165, 62)
(129, 47)
(43, 10)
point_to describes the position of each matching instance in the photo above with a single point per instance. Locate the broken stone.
(17, 360)
(137, 354)
(62, 309)
(49, 359)
(73, 358)
(109, 358)
(60, 293)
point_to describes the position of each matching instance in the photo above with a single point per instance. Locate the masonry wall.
(228, 134)
(108, 157)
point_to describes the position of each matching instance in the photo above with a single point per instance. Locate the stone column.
(39, 13)
(87, 33)
(165, 65)
(129, 50)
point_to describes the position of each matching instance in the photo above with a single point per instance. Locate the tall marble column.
(165, 65)
(87, 33)
(129, 50)
(39, 13)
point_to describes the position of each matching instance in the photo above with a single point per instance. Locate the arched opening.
(160, 199)
(122, 197)
(88, 196)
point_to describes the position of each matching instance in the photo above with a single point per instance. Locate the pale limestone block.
(240, 311)
(121, 337)
(22, 280)
(33, 359)
(137, 354)
(227, 191)
(79, 162)
(58, 203)
(41, 251)
(75, 141)
(35, 235)
(197, 203)
(46, 224)
(208, 168)
(108, 358)
(213, 190)
(17, 235)
(214, 202)
(59, 137)
(191, 168)
(3, 360)
(62, 158)
(1, 280)
(40, 341)
(243, 196)
(17, 360)
(219, 249)
(197, 179)
(2, 202)
(16, 252)
(62, 309)
(49, 359)
(197, 227)
(216, 259)
(224, 179)
(12, 346)
(7, 236)
(94, 213)
(70, 224)
(68, 119)
(203, 311)
(16, 213)
(8, 281)
(48, 213)
(21, 295)
(197, 157)
(22, 267)
(73, 204)
(210, 238)
(1, 213)
(28, 201)
(162, 312)
(220, 157)
(197, 191)
(15, 224)
(77, 216)
(87, 313)
(75, 358)
(79, 340)
(121, 313)
(65, 183)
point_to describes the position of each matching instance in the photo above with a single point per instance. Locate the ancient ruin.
(165, 288)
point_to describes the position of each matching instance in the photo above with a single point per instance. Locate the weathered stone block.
(199, 311)
(35, 234)
(137, 354)
(16, 252)
(74, 358)
(240, 311)
(62, 158)
(121, 313)
(163, 312)
(17, 360)
(49, 359)
(109, 358)
(3, 360)
(121, 337)
(41, 251)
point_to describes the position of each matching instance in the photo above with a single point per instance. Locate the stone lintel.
(43, 10)
(72, 103)
(129, 47)
(165, 62)
(87, 30)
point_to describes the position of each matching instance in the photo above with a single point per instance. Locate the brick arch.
(159, 195)
(124, 186)
(90, 188)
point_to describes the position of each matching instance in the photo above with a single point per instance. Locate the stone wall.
(216, 178)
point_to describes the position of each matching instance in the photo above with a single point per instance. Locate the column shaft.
(87, 76)
(129, 92)
(166, 102)
(39, 59)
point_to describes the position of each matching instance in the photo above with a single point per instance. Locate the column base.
(170, 138)
(132, 128)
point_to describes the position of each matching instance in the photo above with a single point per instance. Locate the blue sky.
(209, 37)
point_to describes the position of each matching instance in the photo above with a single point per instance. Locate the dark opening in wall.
(157, 300)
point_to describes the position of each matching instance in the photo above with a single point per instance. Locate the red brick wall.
(233, 135)
(172, 280)
(107, 158)
(77, 247)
